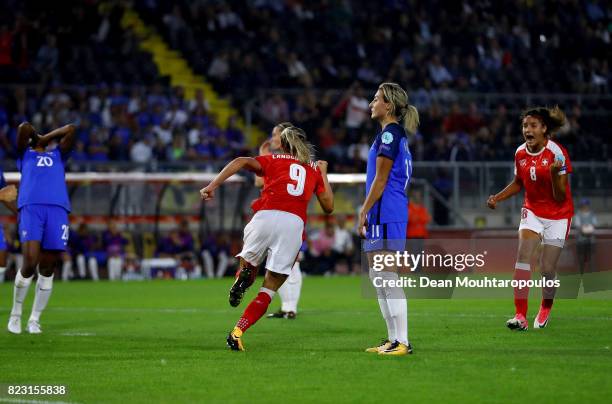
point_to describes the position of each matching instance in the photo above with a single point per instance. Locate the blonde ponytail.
(293, 141)
(394, 94)
(411, 119)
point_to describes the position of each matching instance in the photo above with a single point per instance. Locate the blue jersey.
(43, 179)
(3, 246)
(2, 179)
(392, 207)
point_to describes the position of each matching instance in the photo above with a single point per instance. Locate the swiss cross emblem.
(545, 162)
(523, 162)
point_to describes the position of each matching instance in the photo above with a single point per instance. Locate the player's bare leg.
(23, 279)
(528, 243)
(256, 309)
(245, 277)
(550, 257)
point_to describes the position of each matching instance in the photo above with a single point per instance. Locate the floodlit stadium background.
(164, 93)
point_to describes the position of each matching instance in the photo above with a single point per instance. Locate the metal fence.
(458, 190)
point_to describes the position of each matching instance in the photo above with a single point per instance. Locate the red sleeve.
(568, 163)
(264, 161)
(320, 187)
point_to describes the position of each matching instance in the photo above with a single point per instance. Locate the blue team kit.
(43, 201)
(388, 218)
(3, 246)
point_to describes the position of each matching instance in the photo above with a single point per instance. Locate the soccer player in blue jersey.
(43, 216)
(8, 194)
(384, 216)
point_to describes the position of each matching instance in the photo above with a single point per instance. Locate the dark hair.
(552, 118)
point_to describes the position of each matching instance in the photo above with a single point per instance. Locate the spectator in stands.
(141, 151)
(321, 246)
(188, 263)
(114, 244)
(343, 247)
(275, 109)
(357, 110)
(418, 221)
(215, 248)
(585, 222)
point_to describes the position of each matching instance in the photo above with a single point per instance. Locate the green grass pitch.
(164, 341)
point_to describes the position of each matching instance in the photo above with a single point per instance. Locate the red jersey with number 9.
(533, 170)
(288, 184)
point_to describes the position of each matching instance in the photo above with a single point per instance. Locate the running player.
(43, 216)
(383, 218)
(8, 194)
(290, 291)
(276, 229)
(541, 167)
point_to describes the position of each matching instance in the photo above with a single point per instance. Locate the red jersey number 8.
(298, 174)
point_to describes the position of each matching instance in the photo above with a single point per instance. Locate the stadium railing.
(154, 200)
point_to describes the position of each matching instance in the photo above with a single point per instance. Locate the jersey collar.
(538, 153)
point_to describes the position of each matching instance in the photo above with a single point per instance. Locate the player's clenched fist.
(492, 202)
(207, 193)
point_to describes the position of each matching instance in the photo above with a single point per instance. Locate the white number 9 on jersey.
(298, 174)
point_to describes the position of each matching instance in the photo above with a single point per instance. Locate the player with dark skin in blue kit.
(44, 206)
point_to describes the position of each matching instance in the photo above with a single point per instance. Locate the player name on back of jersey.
(290, 157)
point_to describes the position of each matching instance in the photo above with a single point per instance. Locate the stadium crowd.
(87, 69)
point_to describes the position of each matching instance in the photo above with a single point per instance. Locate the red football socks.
(254, 311)
(521, 294)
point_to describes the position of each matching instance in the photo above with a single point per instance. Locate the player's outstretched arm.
(247, 163)
(383, 168)
(511, 189)
(326, 198)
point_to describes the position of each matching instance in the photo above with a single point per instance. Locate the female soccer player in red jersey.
(289, 293)
(541, 167)
(276, 229)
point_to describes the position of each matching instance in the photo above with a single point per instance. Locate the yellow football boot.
(234, 340)
(383, 345)
(397, 349)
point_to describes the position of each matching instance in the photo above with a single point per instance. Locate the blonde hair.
(293, 141)
(284, 125)
(394, 94)
(554, 118)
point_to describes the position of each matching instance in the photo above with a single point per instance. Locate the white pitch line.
(21, 401)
